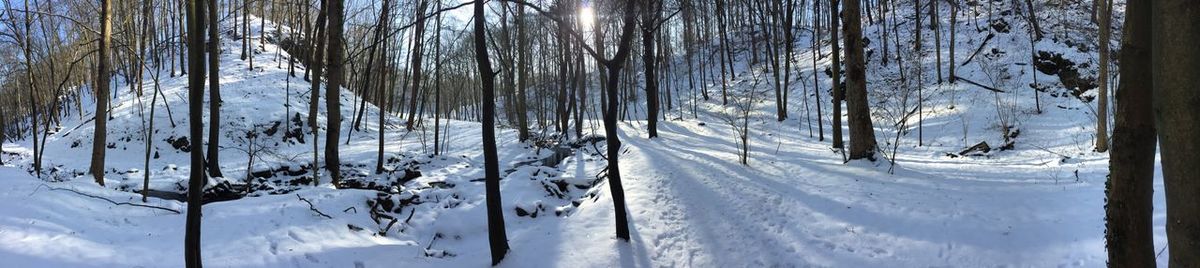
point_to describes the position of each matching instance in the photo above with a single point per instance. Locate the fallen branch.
(410, 215)
(313, 208)
(977, 50)
(110, 200)
(978, 84)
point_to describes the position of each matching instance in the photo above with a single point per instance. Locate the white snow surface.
(691, 204)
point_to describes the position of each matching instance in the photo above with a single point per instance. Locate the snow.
(691, 204)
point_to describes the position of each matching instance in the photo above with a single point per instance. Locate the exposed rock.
(1068, 73)
(979, 149)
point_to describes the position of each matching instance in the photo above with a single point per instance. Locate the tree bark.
(523, 78)
(613, 67)
(100, 136)
(316, 65)
(1102, 98)
(650, 16)
(214, 97)
(197, 179)
(1176, 30)
(953, 26)
(379, 29)
(862, 133)
(3, 136)
(1129, 233)
(497, 237)
(335, 78)
(835, 71)
(418, 32)
(27, 51)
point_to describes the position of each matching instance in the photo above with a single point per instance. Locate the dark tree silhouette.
(497, 237)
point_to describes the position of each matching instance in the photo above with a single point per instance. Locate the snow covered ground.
(691, 204)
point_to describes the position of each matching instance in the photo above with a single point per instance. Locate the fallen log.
(978, 84)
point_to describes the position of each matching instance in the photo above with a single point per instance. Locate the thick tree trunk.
(1129, 211)
(197, 179)
(650, 17)
(862, 134)
(497, 237)
(100, 136)
(1102, 98)
(335, 78)
(1176, 30)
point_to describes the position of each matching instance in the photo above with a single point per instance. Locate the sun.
(587, 17)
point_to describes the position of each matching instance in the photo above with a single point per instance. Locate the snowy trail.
(692, 204)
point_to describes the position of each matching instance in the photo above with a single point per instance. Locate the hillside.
(1034, 199)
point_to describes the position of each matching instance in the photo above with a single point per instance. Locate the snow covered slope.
(797, 204)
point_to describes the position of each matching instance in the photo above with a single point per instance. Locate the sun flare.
(587, 17)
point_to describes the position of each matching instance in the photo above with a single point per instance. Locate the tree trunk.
(214, 97)
(100, 141)
(1102, 98)
(418, 32)
(523, 78)
(245, 28)
(335, 78)
(835, 70)
(953, 26)
(375, 42)
(614, 66)
(3, 137)
(497, 237)
(27, 50)
(1176, 58)
(862, 134)
(197, 179)
(1129, 212)
(936, 26)
(651, 13)
(316, 65)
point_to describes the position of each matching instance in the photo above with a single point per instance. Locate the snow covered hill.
(1038, 203)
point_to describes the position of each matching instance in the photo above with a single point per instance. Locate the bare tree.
(197, 179)
(497, 237)
(862, 132)
(839, 92)
(337, 72)
(651, 16)
(316, 64)
(1176, 58)
(100, 136)
(214, 95)
(1129, 233)
(738, 118)
(418, 32)
(1102, 98)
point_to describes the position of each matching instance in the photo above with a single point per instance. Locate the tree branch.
(110, 200)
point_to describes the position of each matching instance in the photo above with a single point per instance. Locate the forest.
(599, 133)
